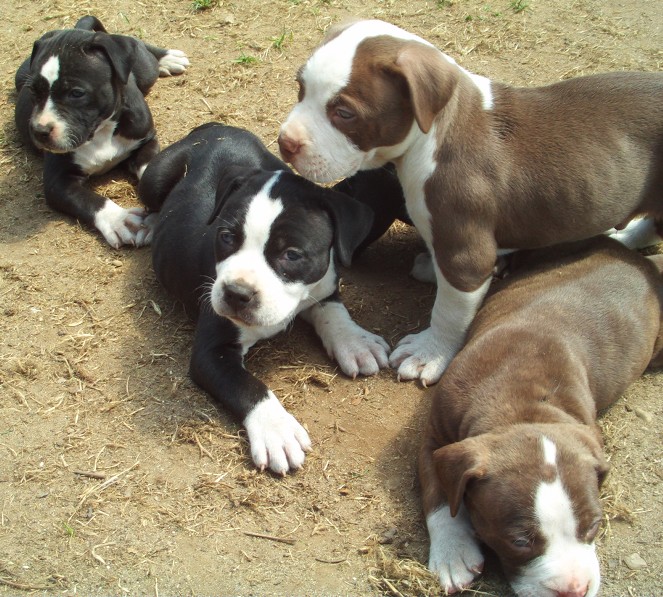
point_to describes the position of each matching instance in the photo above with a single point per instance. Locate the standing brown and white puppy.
(484, 166)
(512, 456)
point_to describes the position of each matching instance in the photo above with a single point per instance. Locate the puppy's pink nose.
(573, 591)
(289, 147)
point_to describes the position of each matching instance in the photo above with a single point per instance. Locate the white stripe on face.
(567, 564)
(260, 216)
(51, 70)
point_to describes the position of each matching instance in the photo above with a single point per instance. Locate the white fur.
(120, 226)
(638, 234)
(356, 350)
(567, 565)
(455, 557)
(173, 63)
(549, 451)
(105, 150)
(51, 70)
(278, 441)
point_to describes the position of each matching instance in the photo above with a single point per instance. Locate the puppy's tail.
(90, 23)
(163, 172)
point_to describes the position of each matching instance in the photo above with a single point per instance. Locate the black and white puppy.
(81, 101)
(245, 244)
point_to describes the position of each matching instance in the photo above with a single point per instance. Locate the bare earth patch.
(118, 476)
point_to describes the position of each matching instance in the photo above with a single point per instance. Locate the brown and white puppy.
(484, 166)
(512, 456)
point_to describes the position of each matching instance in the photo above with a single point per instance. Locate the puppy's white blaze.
(567, 565)
(549, 451)
(51, 70)
(260, 216)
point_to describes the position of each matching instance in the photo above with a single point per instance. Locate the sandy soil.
(118, 476)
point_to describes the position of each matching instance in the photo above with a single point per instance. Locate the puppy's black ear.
(119, 50)
(232, 179)
(352, 223)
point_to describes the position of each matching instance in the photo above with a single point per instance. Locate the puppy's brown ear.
(431, 80)
(457, 464)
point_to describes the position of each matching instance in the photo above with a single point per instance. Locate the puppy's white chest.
(105, 150)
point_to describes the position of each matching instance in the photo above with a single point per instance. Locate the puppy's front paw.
(455, 557)
(173, 63)
(357, 351)
(278, 441)
(119, 226)
(421, 356)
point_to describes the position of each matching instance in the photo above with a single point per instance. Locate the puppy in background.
(81, 101)
(246, 245)
(512, 456)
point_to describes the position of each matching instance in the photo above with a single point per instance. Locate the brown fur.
(562, 337)
(545, 165)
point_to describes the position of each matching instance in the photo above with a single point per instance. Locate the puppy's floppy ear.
(430, 78)
(457, 464)
(231, 180)
(352, 222)
(119, 50)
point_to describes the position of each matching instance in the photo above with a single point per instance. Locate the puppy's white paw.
(423, 269)
(278, 441)
(455, 557)
(356, 350)
(422, 356)
(173, 63)
(119, 226)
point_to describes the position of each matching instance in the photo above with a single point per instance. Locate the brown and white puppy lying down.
(484, 166)
(512, 456)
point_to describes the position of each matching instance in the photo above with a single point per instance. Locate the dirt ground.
(118, 476)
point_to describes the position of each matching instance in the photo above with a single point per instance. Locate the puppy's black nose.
(238, 296)
(42, 131)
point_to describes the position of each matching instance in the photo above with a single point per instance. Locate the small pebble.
(646, 416)
(116, 263)
(635, 562)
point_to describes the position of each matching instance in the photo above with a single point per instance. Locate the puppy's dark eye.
(591, 533)
(344, 113)
(76, 93)
(226, 237)
(293, 255)
(522, 543)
